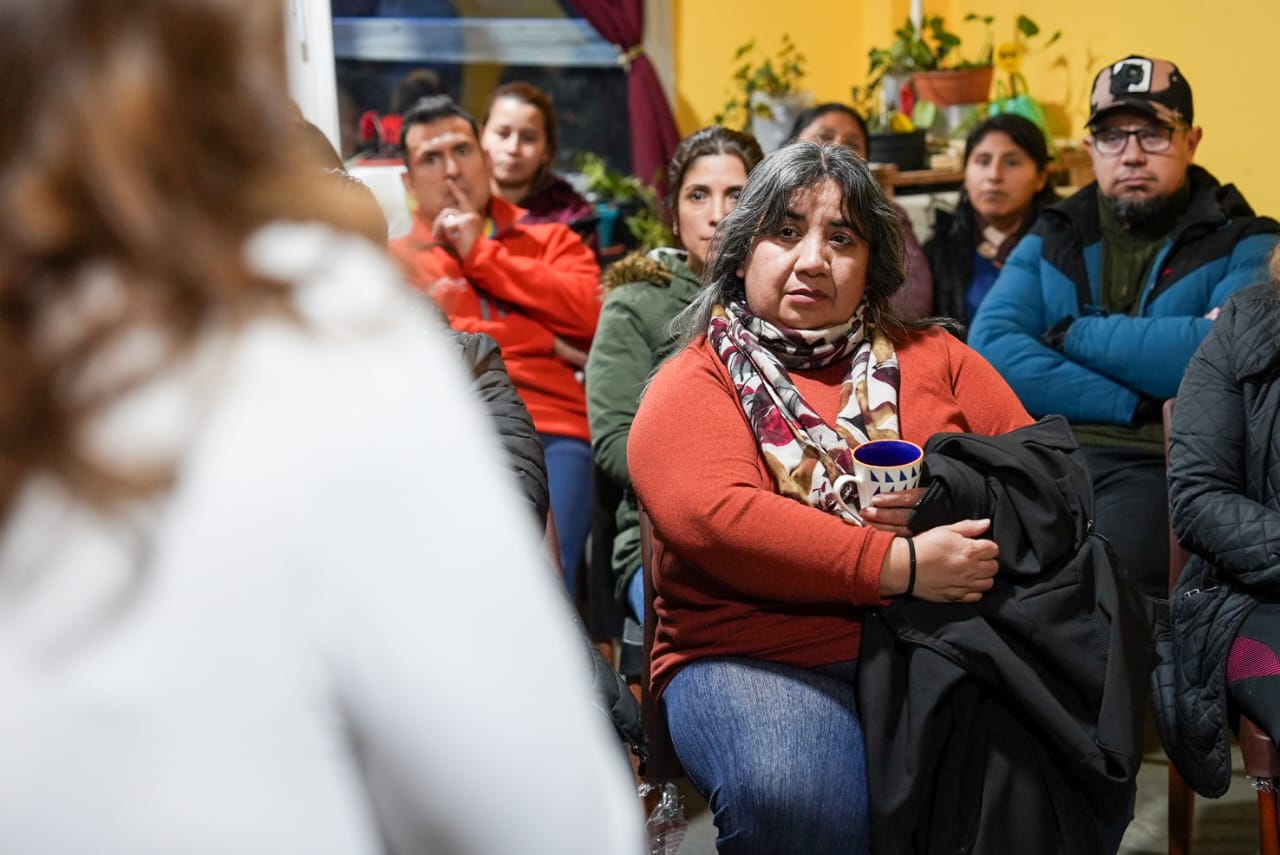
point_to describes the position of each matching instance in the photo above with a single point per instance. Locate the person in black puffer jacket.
(1224, 492)
(493, 387)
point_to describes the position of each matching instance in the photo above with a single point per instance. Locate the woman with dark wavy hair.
(764, 565)
(250, 518)
(643, 294)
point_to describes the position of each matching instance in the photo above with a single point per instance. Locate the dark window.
(420, 45)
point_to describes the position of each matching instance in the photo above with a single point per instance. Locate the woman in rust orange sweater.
(762, 572)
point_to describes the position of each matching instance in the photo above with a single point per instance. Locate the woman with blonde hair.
(250, 520)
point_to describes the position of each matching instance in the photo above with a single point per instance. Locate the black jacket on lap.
(1016, 721)
(1224, 492)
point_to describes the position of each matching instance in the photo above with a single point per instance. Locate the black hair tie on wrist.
(911, 557)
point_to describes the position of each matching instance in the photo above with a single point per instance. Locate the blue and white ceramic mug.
(886, 466)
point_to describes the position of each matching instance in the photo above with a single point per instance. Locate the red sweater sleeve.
(697, 470)
(559, 286)
(439, 274)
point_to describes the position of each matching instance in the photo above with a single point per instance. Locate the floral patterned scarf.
(804, 453)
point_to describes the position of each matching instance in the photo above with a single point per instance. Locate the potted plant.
(896, 121)
(767, 95)
(931, 55)
(617, 195)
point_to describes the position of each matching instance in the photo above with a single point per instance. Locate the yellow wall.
(1223, 49)
(832, 35)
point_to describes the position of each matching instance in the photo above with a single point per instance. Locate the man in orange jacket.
(534, 288)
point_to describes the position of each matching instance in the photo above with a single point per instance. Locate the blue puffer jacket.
(1110, 363)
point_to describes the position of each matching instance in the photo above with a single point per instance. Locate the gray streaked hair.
(761, 209)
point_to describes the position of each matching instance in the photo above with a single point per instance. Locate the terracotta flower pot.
(954, 86)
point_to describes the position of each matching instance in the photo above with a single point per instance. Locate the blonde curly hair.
(147, 139)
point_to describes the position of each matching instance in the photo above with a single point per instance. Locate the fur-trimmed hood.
(656, 267)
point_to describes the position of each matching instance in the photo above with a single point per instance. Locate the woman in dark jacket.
(521, 136)
(1006, 184)
(1224, 493)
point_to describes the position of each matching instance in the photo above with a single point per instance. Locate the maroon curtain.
(653, 129)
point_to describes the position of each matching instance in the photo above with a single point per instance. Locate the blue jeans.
(569, 481)
(635, 595)
(777, 752)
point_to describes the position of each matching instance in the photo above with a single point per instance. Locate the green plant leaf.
(1027, 27)
(777, 75)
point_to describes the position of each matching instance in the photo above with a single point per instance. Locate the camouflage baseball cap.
(1151, 86)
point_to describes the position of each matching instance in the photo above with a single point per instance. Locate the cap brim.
(1137, 105)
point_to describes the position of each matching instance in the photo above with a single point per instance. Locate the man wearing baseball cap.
(1101, 306)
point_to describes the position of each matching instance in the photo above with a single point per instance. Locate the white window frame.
(309, 53)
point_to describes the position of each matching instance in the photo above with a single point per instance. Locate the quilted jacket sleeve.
(1215, 476)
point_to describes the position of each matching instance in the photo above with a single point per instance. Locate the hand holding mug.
(883, 467)
(890, 511)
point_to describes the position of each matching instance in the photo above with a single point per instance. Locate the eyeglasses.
(1152, 139)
